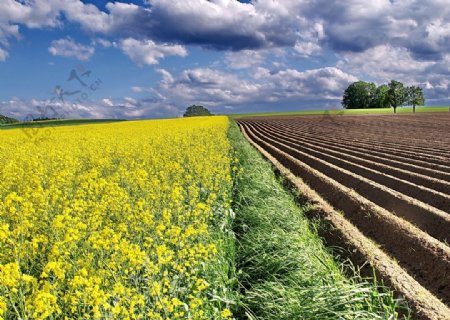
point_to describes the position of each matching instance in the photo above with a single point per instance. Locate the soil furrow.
(364, 159)
(399, 238)
(432, 197)
(425, 168)
(433, 221)
(387, 139)
(440, 160)
(362, 250)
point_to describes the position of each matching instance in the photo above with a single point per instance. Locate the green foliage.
(415, 96)
(364, 95)
(45, 119)
(397, 94)
(359, 95)
(4, 119)
(195, 111)
(380, 99)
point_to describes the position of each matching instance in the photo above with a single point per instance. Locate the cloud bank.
(377, 41)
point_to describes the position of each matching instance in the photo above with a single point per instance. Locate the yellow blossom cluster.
(113, 221)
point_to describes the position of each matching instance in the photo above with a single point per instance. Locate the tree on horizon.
(196, 111)
(397, 94)
(415, 96)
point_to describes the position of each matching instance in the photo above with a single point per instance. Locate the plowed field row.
(373, 143)
(388, 176)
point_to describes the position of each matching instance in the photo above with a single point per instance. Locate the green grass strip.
(344, 112)
(284, 269)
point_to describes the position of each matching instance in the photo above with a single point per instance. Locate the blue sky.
(153, 58)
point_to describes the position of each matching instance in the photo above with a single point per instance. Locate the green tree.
(397, 95)
(359, 95)
(380, 99)
(415, 96)
(194, 111)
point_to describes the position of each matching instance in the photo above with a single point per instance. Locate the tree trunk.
(395, 109)
(414, 108)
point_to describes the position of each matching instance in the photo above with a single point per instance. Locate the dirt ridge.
(425, 305)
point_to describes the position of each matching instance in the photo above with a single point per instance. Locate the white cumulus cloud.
(148, 52)
(67, 47)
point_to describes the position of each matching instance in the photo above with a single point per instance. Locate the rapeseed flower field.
(125, 220)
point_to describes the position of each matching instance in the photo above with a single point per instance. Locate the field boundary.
(343, 112)
(285, 271)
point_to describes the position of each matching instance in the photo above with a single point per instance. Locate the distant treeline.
(363, 95)
(45, 119)
(5, 119)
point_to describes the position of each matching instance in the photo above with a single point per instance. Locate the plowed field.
(389, 176)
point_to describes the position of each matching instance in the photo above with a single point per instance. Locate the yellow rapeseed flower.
(113, 221)
(226, 313)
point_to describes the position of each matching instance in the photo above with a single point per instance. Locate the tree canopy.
(381, 99)
(362, 95)
(415, 96)
(397, 94)
(359, 95)
(195, 110)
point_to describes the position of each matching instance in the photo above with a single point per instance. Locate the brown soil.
(407, 207)
(435, 192)
(398, 154)
(330, 134)
(363, 158)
